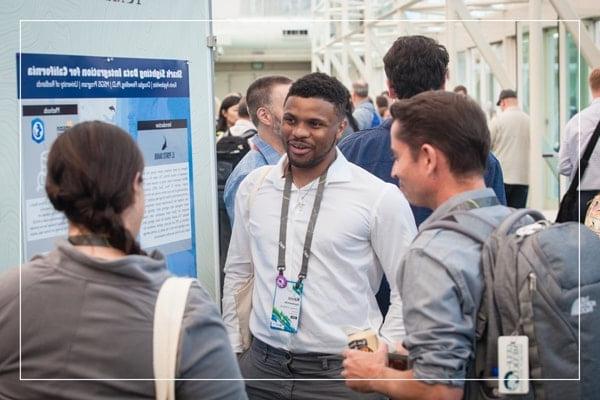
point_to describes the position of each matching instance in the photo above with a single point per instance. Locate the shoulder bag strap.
(585, 158)
(168, 318)
(252, 195)
(249, 133)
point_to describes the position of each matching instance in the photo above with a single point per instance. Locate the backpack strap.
(243, 297)
(168, 318)
(249, 133)
(450, 221)
(508, 224)
(254, 192)
(526, 322)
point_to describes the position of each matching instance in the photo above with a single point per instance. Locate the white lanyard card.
(286, 307)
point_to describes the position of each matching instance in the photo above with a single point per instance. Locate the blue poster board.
(149, 98)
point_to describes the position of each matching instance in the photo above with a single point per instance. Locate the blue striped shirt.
(263, 155)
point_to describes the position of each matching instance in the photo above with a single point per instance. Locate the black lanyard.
(285, 205)
(89, 240)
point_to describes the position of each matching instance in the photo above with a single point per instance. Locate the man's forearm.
(412, 389)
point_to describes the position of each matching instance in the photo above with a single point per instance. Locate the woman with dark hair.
(228, 114)
(85, 311)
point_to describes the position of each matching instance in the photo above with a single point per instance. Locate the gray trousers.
(262, 361)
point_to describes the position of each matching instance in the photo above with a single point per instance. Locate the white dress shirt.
(363, 230)
(573, 146)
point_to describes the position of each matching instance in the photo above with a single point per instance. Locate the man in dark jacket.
(413, 64)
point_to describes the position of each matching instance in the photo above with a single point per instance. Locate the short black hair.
(415, 64)
(453, 123)
(322, 86)
(259, 93)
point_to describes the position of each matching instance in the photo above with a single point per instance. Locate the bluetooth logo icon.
(38, 131)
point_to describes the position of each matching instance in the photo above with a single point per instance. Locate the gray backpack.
(531, 288)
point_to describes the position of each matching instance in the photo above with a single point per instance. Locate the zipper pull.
(532, 282)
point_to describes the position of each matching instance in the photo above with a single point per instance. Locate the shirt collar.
(455, 200)
(267, 151)
(338, 172)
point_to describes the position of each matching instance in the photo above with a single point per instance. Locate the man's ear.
(341, 128)
(430, 158)
(138, 185)
(391, 91)
(137, 182)
(264, 116)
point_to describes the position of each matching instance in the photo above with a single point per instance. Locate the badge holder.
(513, 364)
(288, 294)
(286, 305)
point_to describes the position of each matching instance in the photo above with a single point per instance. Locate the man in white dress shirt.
(578, 133)
(318, 269)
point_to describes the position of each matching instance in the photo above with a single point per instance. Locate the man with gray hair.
(364, 112)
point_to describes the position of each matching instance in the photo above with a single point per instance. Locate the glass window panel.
(551, 134)
(525, 71)
(577, 87)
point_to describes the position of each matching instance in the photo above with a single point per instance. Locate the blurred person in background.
(243, 126)
(364, 112)
(509, 131)
(578, 133)
(228, 114)
(265, 97)
(383, 106)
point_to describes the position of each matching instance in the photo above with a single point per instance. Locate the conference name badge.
(286, 307)
(513, 364)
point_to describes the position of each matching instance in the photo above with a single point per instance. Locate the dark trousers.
(516, 195)
(262, 361)
(585, 197)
